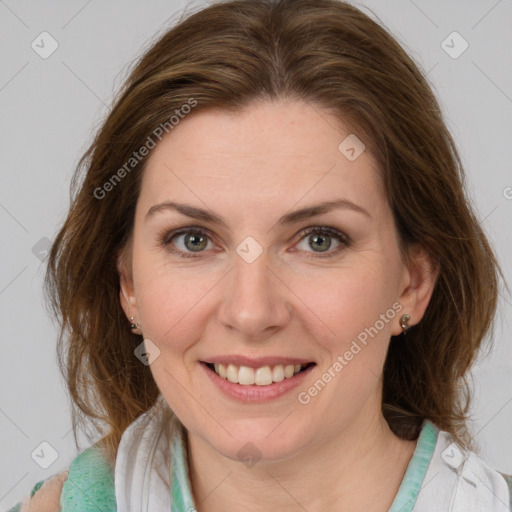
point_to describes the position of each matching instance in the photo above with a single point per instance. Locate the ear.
(417, 285)
(127, 291)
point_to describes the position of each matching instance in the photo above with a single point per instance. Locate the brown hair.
(333, 56)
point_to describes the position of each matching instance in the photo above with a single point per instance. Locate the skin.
(251, 168)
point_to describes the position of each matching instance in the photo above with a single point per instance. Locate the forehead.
(270, 153)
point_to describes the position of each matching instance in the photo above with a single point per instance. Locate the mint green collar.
(415, 474)
(181, 496)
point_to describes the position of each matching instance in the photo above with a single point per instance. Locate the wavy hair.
(330, 55)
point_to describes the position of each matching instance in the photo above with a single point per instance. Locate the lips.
(263, 389)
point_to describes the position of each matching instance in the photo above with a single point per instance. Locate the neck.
(359, 469)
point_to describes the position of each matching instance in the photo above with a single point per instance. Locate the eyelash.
(345, 241)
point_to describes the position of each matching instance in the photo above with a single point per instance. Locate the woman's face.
(245, 284)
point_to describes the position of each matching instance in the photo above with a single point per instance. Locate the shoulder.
(88, 485)
(44, 496)
(470, 481)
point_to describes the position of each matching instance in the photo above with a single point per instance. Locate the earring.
(404, 323)
(134, 325)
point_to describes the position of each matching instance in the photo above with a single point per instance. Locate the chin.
(259, 441)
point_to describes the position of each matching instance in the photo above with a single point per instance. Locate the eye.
(320, 237)
(194, 240)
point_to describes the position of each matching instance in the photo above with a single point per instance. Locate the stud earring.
(404, 323)
(134, 325)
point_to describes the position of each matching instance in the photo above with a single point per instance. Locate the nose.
(255, 300)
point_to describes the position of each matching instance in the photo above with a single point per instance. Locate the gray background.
(51, 107)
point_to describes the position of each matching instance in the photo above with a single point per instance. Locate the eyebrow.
(289, 218)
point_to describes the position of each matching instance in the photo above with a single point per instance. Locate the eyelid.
(167, 235)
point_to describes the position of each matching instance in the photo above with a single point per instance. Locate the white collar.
(140, 462)
(458, 480)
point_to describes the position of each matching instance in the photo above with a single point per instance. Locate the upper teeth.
(263, 376)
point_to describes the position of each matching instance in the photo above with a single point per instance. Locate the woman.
(271, 283)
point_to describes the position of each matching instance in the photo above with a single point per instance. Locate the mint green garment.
(89, 486)
(415, 472)
(90, 483)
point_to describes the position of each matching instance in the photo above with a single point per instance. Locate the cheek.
(352, 322)
(172, 309)
(172, 304)
(356, 312)
(348, 301)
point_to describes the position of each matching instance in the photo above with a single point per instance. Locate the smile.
(262, 376)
